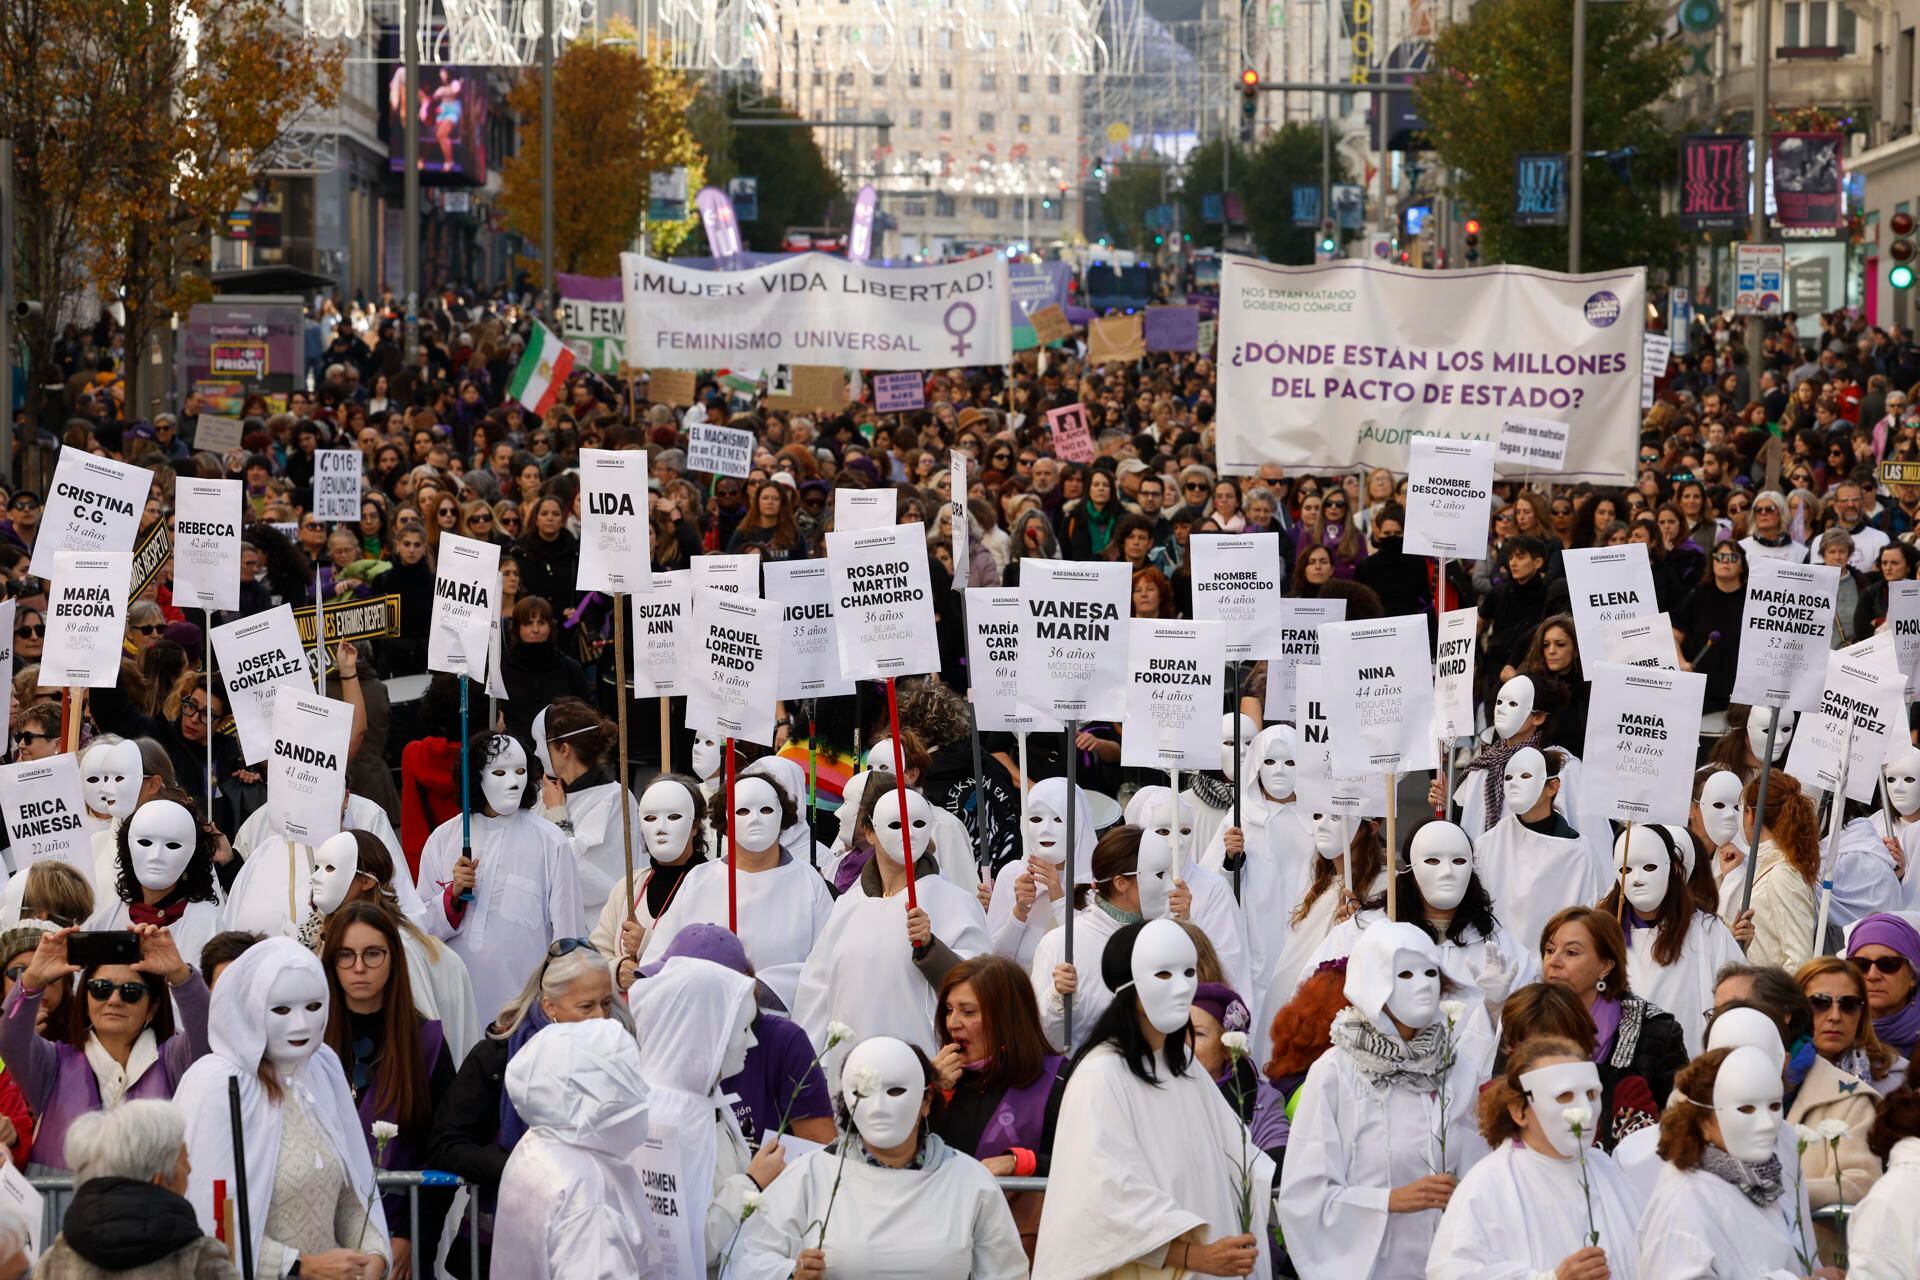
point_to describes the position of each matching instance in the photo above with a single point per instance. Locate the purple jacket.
(59, 1081)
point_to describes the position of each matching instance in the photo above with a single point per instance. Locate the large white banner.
(466, 589)
(1379, 680)
(810, 662)
(1341, 364)
(1784, 637)
(86, 618)
(1236, 580)
(816, 310)
(1299, 646)
(206, 543)
(1606, 584)
(1643, 731)
(307, 771)
(1073, 639)
(41, 804)
(994, 615)
(94, 506)
(732, 665)
(883, 602)
(616, 546)
(1174, 672)
(258, 655)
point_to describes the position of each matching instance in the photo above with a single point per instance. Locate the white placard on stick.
(94, 506)
(86, 618)
(218, 435)
(1174, 693)
(1299, 646)
(661, 616)
(41, 804)
(1073, 639)
(29, 1206)
(883, 602)
(993, 644)
(732, 665)
(8, 611)
(670, 1225)
(1453, 674)
(1785, 634)
(1449, 497)
(1316, 788)
(962, 538)
(466, 593)
(855, 509)
(1643, 732)
(1605, 584)
(336, 485)
(1863, 701)
(735, 574)
(1379, 682)
(257, 655)
(1903, 624)
(1531, 444)
(719, 451)
(1641, 642)
(206, 543)
(810, 660)
(616, 542)
(307, 769)
(1236, 580)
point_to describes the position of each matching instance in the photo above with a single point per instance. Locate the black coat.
(1648, 1051)
(467, 1123)
(548, 569)
(536, 674)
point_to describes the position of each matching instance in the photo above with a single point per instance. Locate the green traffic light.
(1159, 239)
(1327, 245)
(1901, 277)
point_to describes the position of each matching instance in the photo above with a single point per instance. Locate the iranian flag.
(543, 370)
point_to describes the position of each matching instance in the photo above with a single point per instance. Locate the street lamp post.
(410, 182)
(547, 254)
(1576, 165)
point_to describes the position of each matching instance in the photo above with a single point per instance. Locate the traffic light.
(1473, 241)
(1328, 245)
(1901, 251)
(1249, 102)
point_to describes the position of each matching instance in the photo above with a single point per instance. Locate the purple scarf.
(1606, 1021)
(512, 1127)
(1900, 1030)
(1021, 1118)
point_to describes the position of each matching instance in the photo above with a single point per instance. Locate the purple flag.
(860, 243)
(1173, 328)
(716, 215)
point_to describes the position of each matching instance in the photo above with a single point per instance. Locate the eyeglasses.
(1885, 964)
(368, 957)
(13, 974)
(191, 710)
(1726, 559)
(23, 504)
(149, 628)
(30, 630)
(1822, 1001)
(1193, 486)
(27, 737)
(566, 947)
(102, 989)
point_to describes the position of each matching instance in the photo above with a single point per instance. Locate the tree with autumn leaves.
(136, 128)
(618, 117)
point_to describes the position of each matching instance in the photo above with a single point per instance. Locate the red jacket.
(429, 792)
(13, 1105)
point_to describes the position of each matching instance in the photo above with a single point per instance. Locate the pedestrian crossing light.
(1901, 251)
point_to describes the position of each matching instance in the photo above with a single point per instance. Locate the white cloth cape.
(1208, 822)
(1518, 1214)
(1150, 1164)
(1291, 967)
(1091, 929)
(1685, 987)
(782, 912)
(1531, 876)
(1698, 1225)
(1883, 1238)
(1460, 962)
(362, 814)
(443, 990)
(598, 847)
(1638, 1157)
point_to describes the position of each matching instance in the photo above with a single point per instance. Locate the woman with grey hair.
(1032, 536)
(130, 1215)
(1771, 538)
(1836, 548)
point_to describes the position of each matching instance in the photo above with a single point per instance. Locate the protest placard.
(899, 392)
(41, 804)
(336, 485)
(735, 574)
(206, 543)
(883, 602)
(810, 660)
(218, 435)
(1073, 639)
(1316, 787)
(1449, 496)
(1298, 645)
(670, 1217)
(466, 591)
(1453, 674)
(94, 506)
(732, 665)
(1640, 642)
(674, 387)
(856, 509)
(1643, 732)
(1174, 694)
(1656, 352)
(1116, 339)
(1236, 580)
(27, 1205)
(257, 655)
(1903, 624)
(1379, 681)
(86, 618)
(1072, 442)
(1862, 702)
(819, 389)
(1531, 444)
(720, 451)
(1050, 325)
(1785, 633)
(660, 619)
(150, 556)
(994, 617)
(1605, 584)
(307, 770)
(616, 542)
(961, 535)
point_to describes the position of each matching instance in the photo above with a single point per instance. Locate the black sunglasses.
(35, 630)
(102, 989)
(28, 736)
(150, 628)
(1885, 964)
(1822, 1001)
(566, 947)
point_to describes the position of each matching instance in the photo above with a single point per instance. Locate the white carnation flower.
(1577, 1118)
(1834, 1130)
(384, 1131)
(838, 1032)
(1236, 1043)
(1452, 1010)
(866, 1082)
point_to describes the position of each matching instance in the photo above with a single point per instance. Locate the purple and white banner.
(592, 321)
(1342, 364)
(813, 309)
(860, 242)
(723, 229)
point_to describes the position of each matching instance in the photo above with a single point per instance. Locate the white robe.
(1864, 880)
(273, 892)
(948, 1221)
(1291, 967)
(605, 934)
(1909, 833)
(1091, 929)
(1013, 938)
(1638, 1157)
(1685, 987)
(861, 970)
(1532, 876)
(1519, 1214)
(1792, 552)
(598, 846)
(1470, 799)
(1218, 915)
(1279, 869)
(443, 989)
(1698, 1226)
(782, 912)
(526, 896)
(1208, 821)
(361, 814)
(200, 921)
(1351, 1144)
(1460, 962)
(1150, 1163)
(1883, 1238)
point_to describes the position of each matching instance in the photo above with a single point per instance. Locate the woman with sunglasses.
(117, 1040)
(38, 735)
(1849, 1067)
(146, 624)
(1708, 624)
(1334, 530)
(29, 637)
(1768, 533)
(1885, 948)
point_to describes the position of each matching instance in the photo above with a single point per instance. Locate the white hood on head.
(580, 1083)
(683, 1017)
(791, 777)
(1052, 792)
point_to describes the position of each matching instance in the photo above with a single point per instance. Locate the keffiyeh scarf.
(1213, 790)
(1388, 1061)
(1760, 1183)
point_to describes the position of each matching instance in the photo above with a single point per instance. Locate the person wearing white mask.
(1107, 902)
(360, 814)
(877, 965)
(911, 1205)
(579, 795)
(1349, 867)
(110, 777)
(1524, 1211)
(1714, 818)
(1721, 1207)
(268, 892)
(1531, 861)
(1211, 792)
(1901, 777)
(572, 1205)
(782, 904)
(672, 817)
(694, 1021)
(163, 874)
(1674, 950)
(709, 760)
(1276, 844)
(1883, 1233)
(1266, 793)
(1383, 1127)
(309, 1175)
(1154, 1147)
(1521, 710)
(1027, 895)
(956, 856)
(1197, 891)
(500, 908)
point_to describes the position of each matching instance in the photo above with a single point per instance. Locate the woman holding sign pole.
(1784, 906)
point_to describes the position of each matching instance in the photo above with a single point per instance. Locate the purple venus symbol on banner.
(961, 346)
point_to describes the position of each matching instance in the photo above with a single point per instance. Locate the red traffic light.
(1901, 251)
(1250, 78)
(1473, 226)
(1901, 224)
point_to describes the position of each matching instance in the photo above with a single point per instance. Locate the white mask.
(739, 1043)
(880, 756)
(1045, 833)
(1903, 782)
(1746, 1102)
(756, 814)
(540, 741)
(1165, 974)
(709, 754)
(504, 779)
(886, 825)
(1512, 705)
(1648, 870)
(1524, 779)
(883, 1086)
(666, 820)
(1274, 759)
(296, 1016)
(1415, 1000)
(1757, 723)
(1153, 872)
(1551, 1090)
(1442, 858)
(1332, 835)
(1720, 807)
(110, 776)
(1229, 725)
(1733, 1028)
(335, 863)
(160, 842)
